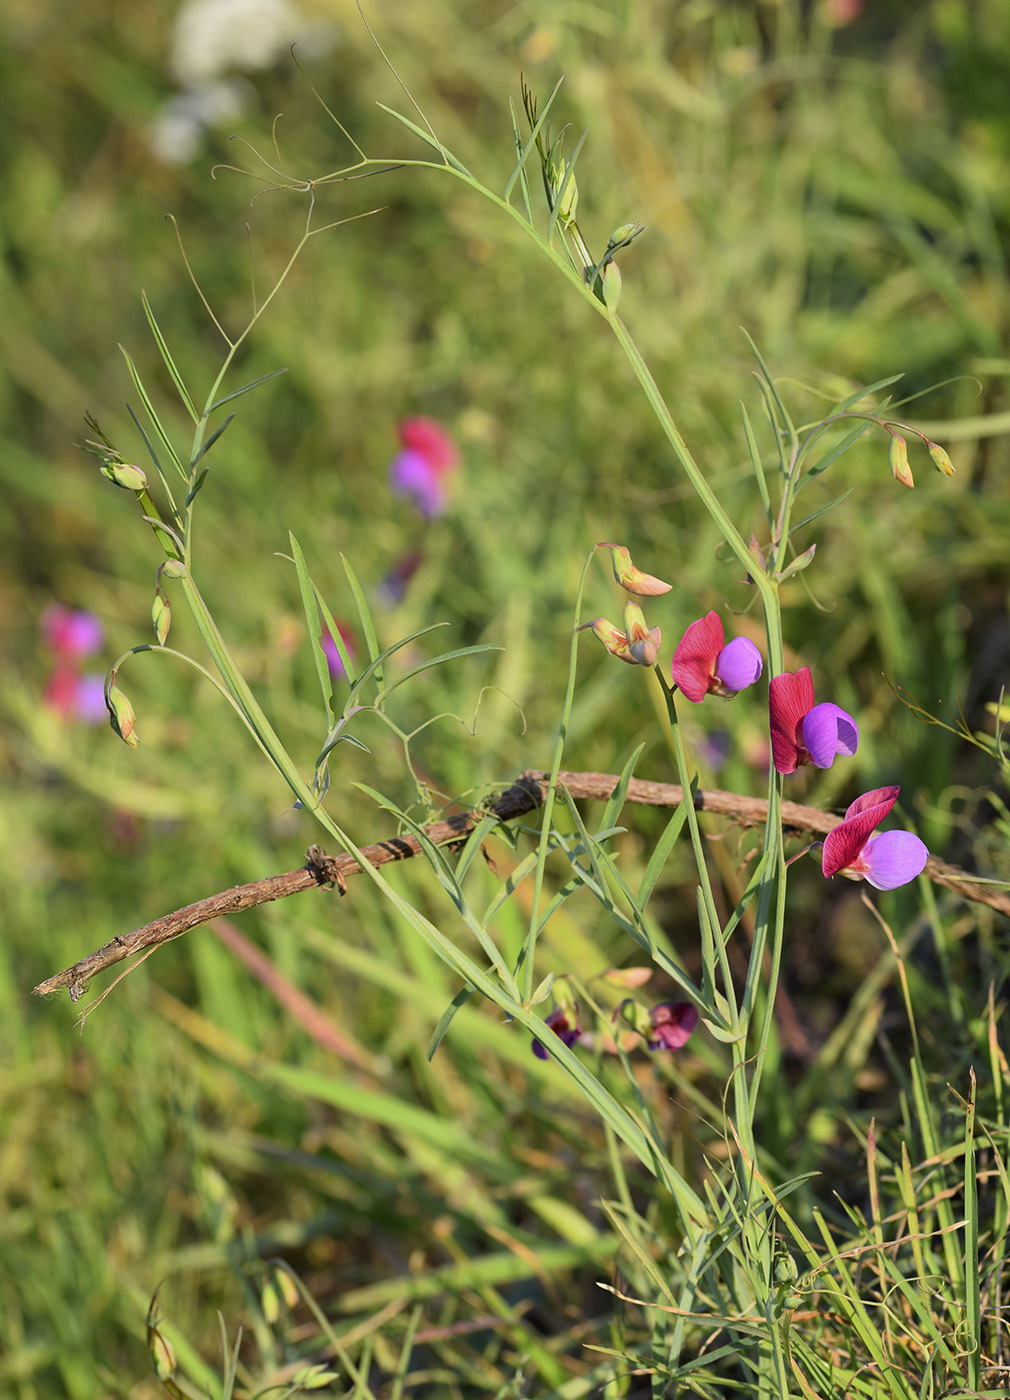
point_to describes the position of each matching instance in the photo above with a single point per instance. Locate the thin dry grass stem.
(525, 795)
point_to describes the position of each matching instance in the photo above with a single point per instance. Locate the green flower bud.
(569, 201)
(270, 1302)
(610, 279)
(898, 458)
(939, 458)
(173, 568)
(624, 234)
(124, 474)
(121, 716)
(161, 616)
(162, 1354)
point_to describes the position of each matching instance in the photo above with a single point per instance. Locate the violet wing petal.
(828, 731)
(739, 664)
(894, 858)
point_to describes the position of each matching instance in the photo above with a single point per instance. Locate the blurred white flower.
(215, 36)
(177, 133)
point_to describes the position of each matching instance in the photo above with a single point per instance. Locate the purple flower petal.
(672, 1024)
(739, 664)
(893, 858)
(89, 700)
(413, 476)
(828, 731)
(70, 632)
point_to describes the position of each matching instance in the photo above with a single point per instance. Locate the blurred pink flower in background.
(329, 646)
(71, 634)
(422, 469)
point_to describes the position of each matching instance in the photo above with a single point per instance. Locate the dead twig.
(525, 795)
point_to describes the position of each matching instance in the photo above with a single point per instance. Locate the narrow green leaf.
(659, 857)
(245, 389)
(311, 610)
(569, 176)
(429, 140)
(212, 439)
(446, 1019)
(755, 458)
(520, 169)
(149, 407)
(821, 510)
(475, 650)
(364, 616)
(524, 151)
(170, 364)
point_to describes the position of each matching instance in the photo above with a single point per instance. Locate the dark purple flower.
(566, 1026)
(886, 861)
(704, 665)
(803, 732)
(672, 1024)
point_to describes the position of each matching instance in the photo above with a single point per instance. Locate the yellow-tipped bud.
(898, 457)
(631, 579)
(121, 716)
(939, 458)
(124, 474)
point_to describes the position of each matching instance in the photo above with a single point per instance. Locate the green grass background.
(841, 193)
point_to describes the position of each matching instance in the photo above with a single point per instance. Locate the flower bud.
(124, 474)
(631, 579)
(610, 283)
(173, 568)
(569, 201)
(643, 642)
(121, 716)
(898, 458)
(161, 616)
(622, 236)
(162, 1354)
(939, 458)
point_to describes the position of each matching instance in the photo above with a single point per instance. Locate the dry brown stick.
(524, 796)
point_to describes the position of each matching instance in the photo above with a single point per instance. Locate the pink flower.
(421, 471)
(70, 633)
(886, 861)
(673, 1023)
(703, 665)
(803, 732)
(76, 697)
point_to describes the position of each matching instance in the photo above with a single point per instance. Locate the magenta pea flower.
(421, 470)
(704, 665)
(803, 732)
(564, 1022)
(673, 1023)
(886, 861)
